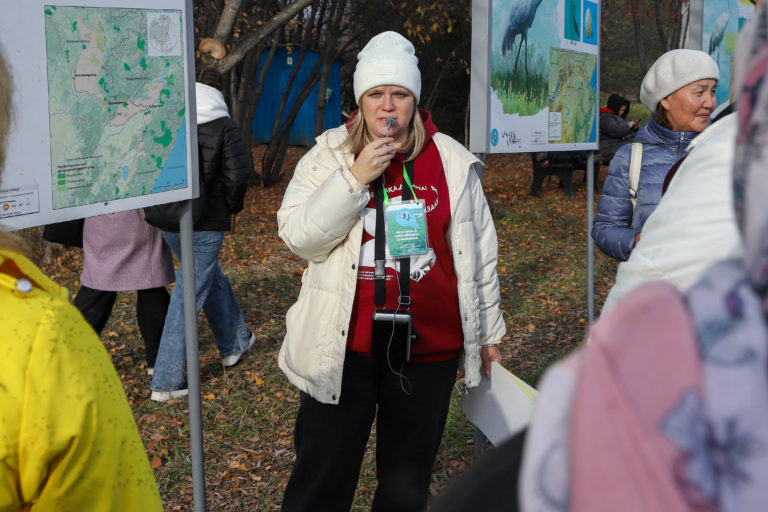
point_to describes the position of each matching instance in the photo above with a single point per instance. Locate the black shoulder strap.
(379, 272)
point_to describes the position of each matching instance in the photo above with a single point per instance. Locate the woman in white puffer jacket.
(346, 374)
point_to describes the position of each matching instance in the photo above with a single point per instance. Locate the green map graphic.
(116, 103)
(572, 92)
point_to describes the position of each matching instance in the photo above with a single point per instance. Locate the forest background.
(633, 34)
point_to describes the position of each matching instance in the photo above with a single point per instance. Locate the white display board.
(103, 108)
(535, 75)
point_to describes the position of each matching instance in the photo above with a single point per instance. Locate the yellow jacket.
(68, 440)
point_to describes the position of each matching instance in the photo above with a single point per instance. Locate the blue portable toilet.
(276, 81)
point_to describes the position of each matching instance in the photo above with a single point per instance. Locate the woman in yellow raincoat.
(68, 440)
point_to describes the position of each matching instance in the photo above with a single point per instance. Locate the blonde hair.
(7, 240)
(359, 137)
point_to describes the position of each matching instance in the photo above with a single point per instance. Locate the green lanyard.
(408, 181)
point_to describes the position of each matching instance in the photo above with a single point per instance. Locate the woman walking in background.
(121, 252)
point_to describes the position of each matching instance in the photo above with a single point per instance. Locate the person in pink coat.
(121, 252)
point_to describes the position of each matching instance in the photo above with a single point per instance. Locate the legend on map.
(19, 200)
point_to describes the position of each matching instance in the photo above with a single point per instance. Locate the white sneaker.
(234, 358)
(163, 396)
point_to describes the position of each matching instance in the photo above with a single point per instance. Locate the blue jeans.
(214, 296)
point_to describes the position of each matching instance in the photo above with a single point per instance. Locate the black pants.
(330, 440)
(151, 308)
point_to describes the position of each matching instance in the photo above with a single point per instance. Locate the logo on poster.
(494, 137)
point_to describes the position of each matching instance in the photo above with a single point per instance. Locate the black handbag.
(69, 232)
(166, 216)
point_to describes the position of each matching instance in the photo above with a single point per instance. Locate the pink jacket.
(122, 252)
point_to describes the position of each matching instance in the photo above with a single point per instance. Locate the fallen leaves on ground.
(249, 409)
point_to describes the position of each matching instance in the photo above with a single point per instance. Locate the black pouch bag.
(166, 216)
(69, 232)
(391, 337)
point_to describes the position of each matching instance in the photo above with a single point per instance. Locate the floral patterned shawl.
(667, 407)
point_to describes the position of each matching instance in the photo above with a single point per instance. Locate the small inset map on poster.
(573, 94)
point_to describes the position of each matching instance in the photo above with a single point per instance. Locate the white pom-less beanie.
(387, 59)
(673, 70)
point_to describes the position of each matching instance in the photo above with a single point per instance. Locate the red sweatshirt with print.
(434, 294)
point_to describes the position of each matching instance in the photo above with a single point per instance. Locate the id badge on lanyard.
(406, 229)
(406, 223)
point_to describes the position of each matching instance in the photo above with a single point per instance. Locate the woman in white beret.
(384, 314)
(679, 89)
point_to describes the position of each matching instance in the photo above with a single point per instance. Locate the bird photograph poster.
(721, 23)
(543, 75)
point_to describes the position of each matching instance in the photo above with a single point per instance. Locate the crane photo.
(541, 70)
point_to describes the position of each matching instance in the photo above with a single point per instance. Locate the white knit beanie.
(387, 59)
(673, 70)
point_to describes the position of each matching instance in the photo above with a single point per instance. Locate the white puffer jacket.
(320, 221)
(694, 225)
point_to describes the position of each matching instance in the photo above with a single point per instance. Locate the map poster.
(535, 75)
(101, 104)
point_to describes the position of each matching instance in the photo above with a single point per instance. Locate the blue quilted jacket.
(614, 228)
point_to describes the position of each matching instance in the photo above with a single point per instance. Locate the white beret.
(673, 70)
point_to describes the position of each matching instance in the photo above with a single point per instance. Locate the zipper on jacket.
(682, 143)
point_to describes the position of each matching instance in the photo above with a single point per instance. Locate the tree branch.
(227, 21)
(252, 40)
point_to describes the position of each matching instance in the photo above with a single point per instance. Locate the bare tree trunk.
(279, 131)
(273, 160)
(284, 100)
(255, 95)
(332, 39)
(243, 115)
(251, 41)
(227, 21)
(323, 8)
(681, 37)
(638, 26)
(234, 84)
(659, 26)
(279, 127)
(263, 72)
(322, 97)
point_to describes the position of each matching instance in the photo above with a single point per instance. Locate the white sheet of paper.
(501, 406)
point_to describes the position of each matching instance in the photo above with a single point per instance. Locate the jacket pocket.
(310, 335)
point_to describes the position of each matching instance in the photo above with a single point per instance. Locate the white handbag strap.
(635, 162)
